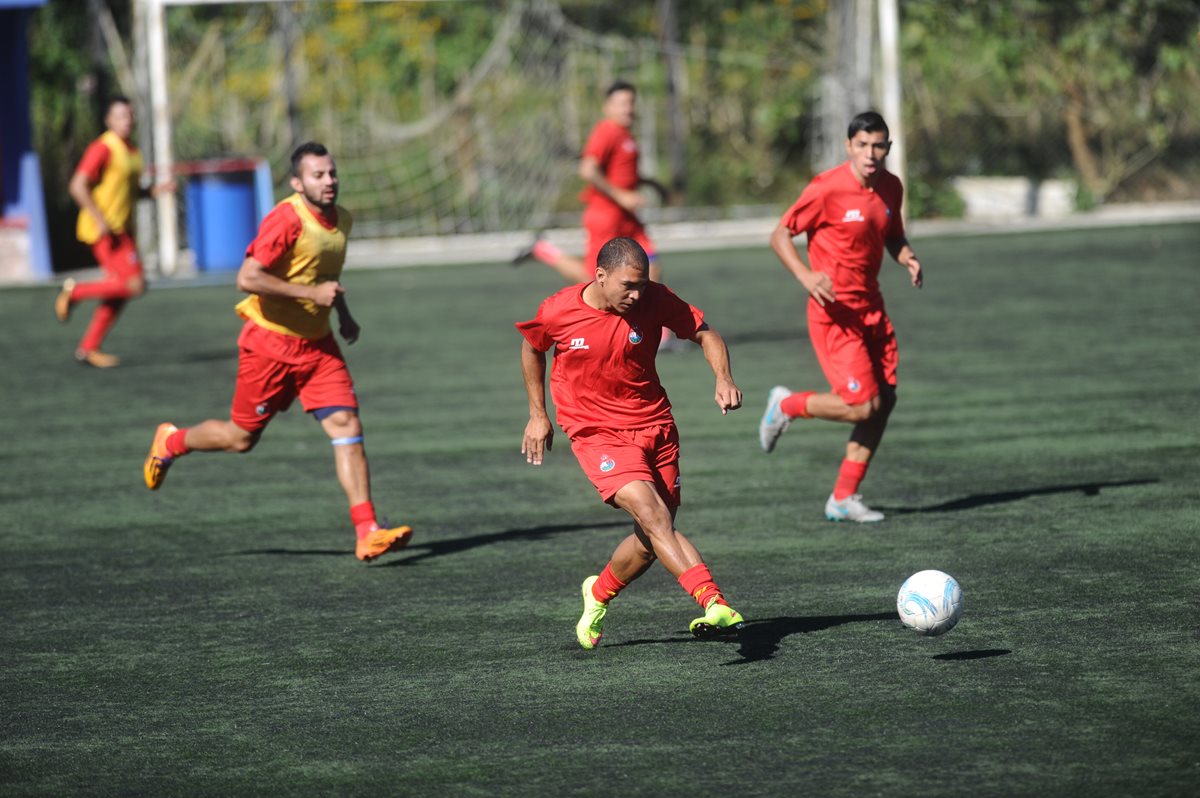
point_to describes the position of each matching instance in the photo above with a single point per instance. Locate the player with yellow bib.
(287, 349)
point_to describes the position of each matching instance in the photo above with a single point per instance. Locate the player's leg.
(264, 387)
(123, 280)
(570, 267)
(327, 392)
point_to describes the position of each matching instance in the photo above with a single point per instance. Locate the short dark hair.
(307, 148)
(619, 85)
(116, 99)
(867, 121)
(621, 252)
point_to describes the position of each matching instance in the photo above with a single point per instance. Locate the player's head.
(118, 116)
(620, 103)
(622, 273)
(867, 144)
(314, 174)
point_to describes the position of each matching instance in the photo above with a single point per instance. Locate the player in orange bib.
(850, 213)
(106, 186)
(287, 349)
(611, 405)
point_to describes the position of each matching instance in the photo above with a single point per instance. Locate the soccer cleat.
(159, 459)
(718, 620)
(591, 624)
(380, 541)
(62, 302)
(97, 359)
(851, 508)
(526, 253)
(774, 420)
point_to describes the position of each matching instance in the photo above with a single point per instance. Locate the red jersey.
(604, 376)
(616, 152)
(848, 226)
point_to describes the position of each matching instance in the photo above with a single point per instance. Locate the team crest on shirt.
(635, 335)
(629, 146)
(853, 385)
(853, 215)
(261, 410)
(607, 463)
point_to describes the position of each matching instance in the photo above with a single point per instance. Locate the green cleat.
(591, 623)
(719, 620)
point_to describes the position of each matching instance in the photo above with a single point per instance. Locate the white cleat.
(774, 420)
(851, 508)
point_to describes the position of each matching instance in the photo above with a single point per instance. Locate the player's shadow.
(1003, 497)
(760, 638)
(981, 653)
(763, 336)
(440, 548)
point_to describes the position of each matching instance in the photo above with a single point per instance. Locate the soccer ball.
(930, 602)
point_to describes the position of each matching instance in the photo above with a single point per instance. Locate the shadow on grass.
(760, 638)
(982, 653)
(209, 356)
(1003, 497)
(439, 548)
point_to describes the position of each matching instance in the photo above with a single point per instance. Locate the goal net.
(444, 118)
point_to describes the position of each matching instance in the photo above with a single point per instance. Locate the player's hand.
(629, 200)
(729, 396)
(324, 294)
(819, 286)
(349, 329)
(539, 439)
(914, 271)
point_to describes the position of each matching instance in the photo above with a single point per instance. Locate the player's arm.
(728, 395)
(589, 170)
(904, 255)
(254, 278)
(817, 284)
(80, 189)
(659, 188)
(539, 432)
(347, 326)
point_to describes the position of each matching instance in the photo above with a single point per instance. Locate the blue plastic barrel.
(222, 212)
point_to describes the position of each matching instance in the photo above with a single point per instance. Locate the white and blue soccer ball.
(930, 602)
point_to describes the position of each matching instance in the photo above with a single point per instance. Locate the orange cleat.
(381, 541)
(97, 359)
(62, 302)
(158, 460)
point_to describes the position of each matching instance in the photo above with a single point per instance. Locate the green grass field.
(218, 637)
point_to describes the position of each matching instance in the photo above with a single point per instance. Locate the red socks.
(103, 319)
(699, 584)
(546, 252)
(850, 476)
(176, 444)
(607, 586)
(796, 405)
(363, 517)
(109, 288)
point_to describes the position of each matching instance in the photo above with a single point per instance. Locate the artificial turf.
(218, 637)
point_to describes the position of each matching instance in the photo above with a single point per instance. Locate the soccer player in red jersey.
(287, 349)
(611, 405)
(609, 166)
(106, 187)
(850, 213)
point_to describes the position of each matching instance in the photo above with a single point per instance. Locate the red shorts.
(118, 256)
(614, 458)
(604, 224)
(267, 385)
(856, 349)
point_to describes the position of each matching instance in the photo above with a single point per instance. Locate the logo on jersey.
(629, 145)
(261, 410)
(607, 463)
(853, 215)
(853, 385)
(635, 335)
(578, 343)
(678, 482)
